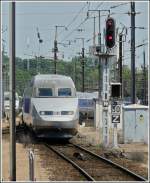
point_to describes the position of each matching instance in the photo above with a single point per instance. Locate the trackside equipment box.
(135, 123)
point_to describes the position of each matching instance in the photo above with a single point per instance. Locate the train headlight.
(67, 112)
(42, 112)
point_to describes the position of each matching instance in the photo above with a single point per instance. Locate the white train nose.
(52, 105)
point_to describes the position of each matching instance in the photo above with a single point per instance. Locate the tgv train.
(50, 106)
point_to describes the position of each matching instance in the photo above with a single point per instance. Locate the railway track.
(92, 166)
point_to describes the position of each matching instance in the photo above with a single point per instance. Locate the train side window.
(64, 92)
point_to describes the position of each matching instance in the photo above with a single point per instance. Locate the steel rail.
(136, 176)
(83, 172)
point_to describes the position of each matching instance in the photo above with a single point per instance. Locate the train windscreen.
(64, 92)
(45, 92)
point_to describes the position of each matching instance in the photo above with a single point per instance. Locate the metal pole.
(7, 79)
(75, 70)
(3, 89)
(55, 51)
(94, 33)
(55, 32)
(37, 68)
(4, 73)
(39, 62)
(55, 56)
(82, 64)
(99, 63)
(99, 34)
(12, 94)
(133, 92)
(28, 64)
(120, 60)
(144, 82)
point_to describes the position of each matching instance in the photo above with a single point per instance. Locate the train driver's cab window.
(64, 92)
(45, 92)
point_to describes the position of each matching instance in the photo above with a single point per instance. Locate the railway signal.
(110, 33)
(115, 90)
(115, 109)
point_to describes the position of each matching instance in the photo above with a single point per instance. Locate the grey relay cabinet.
(135, 123)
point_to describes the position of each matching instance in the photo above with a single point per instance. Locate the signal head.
(110, 32)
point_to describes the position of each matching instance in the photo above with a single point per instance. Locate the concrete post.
(97, 115)
(115, 137)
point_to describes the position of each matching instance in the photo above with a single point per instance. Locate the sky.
(44, 16)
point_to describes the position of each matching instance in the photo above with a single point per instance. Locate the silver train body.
(50, 106)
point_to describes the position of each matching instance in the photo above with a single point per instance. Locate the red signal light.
(110, 32)
(109, 23)
(110, 38)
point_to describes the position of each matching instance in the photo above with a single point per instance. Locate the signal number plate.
(115, 118)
